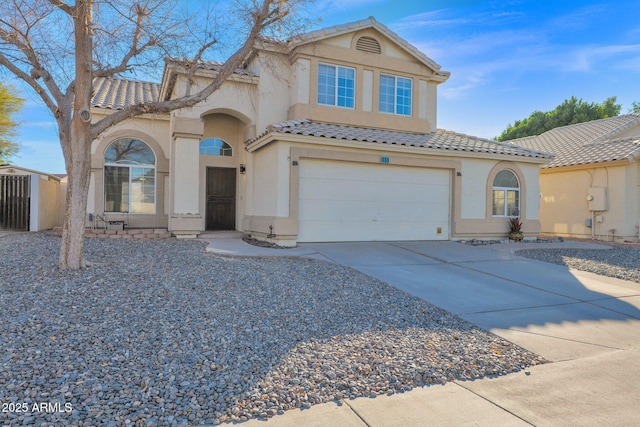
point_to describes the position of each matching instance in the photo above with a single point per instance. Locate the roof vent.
(368, 44)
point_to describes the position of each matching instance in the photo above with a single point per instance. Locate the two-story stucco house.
(329, 136)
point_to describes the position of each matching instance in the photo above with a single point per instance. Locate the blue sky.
(506, 58)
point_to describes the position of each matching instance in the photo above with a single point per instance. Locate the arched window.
(506, 194)
(129, 177)
(215, 147)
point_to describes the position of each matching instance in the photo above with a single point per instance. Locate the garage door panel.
(371, 191)
(346, 231)
(344, 201)
(370, 211)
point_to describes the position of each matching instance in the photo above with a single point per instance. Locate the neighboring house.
(591, 189)
(30, 200)
(329, 136)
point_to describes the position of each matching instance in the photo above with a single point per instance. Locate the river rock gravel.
(161, 333)
(619, 261)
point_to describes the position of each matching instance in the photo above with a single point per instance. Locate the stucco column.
(185, 220)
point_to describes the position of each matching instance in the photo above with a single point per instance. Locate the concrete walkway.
(587, 325)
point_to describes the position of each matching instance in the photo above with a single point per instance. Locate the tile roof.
(439, 140)
(211, 66)
(607, 151)
(586, 143)
(117, 94)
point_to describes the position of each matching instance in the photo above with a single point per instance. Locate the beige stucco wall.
(276, 90)
(154, 131)
(347, 41)
(184, 195)
(274, 196)
(473, 183)
(564, 204)
(238, 98)
(531, 176)
(341, 51)
(48, 193)
(268, 189)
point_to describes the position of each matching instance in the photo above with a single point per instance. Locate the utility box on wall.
(597, 199)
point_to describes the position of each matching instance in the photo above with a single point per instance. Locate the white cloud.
(449, 17)
(466, 85)
(587, 58)
(432, 19)
(578, 19)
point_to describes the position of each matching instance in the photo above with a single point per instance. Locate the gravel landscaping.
(161, 333)
(620, 261)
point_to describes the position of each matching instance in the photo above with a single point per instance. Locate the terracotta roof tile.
(607, 151)
(586, 143)
(117, 94)
(439, 140)
(210, 65)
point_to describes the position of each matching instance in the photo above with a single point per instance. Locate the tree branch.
(227, 69)
(132, 52)
(194, 62)
(16, 38)
(9, 65)
(135, 49)
(69, 10)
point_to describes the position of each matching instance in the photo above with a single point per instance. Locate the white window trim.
(395, 95)
(130, 165)
(505, 190)
(335, 94)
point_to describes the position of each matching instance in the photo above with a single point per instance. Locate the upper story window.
(336, 86)
(506, 194)
(215, 147)
(129, 177)
(395, 95)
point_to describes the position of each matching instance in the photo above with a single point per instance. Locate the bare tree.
(58, 47)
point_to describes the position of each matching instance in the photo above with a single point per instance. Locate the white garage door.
(344, 201)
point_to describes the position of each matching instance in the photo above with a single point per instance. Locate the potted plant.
(515, 229)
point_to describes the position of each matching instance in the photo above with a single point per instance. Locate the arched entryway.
(221, 157)
(220, 184)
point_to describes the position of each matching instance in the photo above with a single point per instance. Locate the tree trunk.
(72, 244)
(78, 149)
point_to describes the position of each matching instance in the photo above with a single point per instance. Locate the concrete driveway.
(556, 312)
(588, 325)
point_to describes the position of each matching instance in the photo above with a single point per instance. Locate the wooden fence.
(15, 202)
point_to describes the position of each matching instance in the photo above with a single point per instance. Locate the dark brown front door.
(221, 199)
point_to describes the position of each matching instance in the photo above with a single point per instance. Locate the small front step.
(222, 234)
